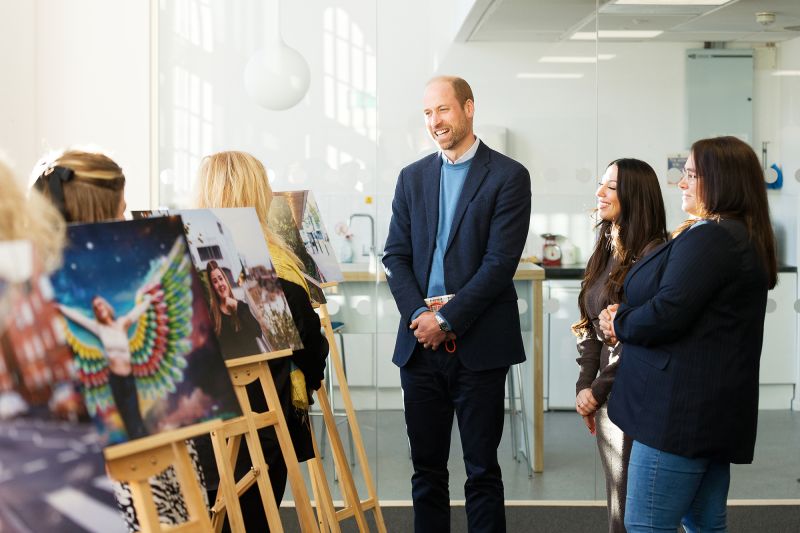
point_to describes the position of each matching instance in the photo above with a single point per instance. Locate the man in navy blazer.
(459, 222)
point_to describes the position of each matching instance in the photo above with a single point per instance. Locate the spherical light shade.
(277, 77)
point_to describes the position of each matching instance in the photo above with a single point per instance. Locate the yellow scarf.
(288, 270)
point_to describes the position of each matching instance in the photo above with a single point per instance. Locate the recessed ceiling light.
(576, 59)
(672, 2)
(549, 75)
(786, 73)
(615, 34)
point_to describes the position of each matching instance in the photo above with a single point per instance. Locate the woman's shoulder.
(716, 231)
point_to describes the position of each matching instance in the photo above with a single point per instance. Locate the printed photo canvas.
(138, 325)
(249, 311)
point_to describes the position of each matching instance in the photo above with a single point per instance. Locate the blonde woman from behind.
(237, 179)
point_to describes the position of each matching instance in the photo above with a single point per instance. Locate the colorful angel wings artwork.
(135, 317)
(148, 344)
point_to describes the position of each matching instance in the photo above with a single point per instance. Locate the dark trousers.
(123, 390)
(435, 386)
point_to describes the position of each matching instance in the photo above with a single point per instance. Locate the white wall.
(78, 75)
(17, 95)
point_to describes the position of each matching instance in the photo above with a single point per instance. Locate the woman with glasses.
(692, 325)
(631, 223)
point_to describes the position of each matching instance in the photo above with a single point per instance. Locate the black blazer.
(692, 329)
(489, 229)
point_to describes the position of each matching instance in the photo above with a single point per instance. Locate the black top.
(243, 342)
(597, 360)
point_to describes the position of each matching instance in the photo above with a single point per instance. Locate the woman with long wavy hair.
(631, 223)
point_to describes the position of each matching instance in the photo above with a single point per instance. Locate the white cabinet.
(779, 355)
(561, 311)
(779, 352)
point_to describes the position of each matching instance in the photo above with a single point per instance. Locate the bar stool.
(515, 383)
(338, 328)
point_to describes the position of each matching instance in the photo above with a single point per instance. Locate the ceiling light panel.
(615, 34)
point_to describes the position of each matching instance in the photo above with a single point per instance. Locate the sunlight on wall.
(191, 133)
(193, 22)
(349, 74)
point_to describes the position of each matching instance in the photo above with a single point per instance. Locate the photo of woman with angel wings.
(139, 329)
(113, 366)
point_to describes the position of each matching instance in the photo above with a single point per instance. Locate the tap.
(372, 244)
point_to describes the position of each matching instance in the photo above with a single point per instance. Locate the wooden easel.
(137, 461)
(227, 442)
(354, 506)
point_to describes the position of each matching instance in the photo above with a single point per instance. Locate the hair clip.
(53, 179)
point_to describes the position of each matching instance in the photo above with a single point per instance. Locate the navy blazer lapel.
(477, 172)
(431, 176)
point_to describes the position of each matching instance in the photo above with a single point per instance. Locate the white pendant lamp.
(277, 76)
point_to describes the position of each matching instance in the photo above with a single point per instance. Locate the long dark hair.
(730, 184)
(214, 307)
(642, 221)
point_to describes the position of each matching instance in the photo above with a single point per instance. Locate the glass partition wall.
(327, 143)
(547, 94)
(677, 73)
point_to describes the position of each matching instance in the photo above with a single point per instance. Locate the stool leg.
(524, 421)
(349, 432)
(512, 411)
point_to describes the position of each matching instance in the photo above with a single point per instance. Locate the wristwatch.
(442, 322)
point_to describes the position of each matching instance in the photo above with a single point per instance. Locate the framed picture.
(249, 311)
(138, 325)
(295, 216)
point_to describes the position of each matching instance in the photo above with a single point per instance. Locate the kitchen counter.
(365, 272)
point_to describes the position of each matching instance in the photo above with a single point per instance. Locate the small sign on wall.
(675, 164)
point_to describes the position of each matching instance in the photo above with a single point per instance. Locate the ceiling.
(557, 20)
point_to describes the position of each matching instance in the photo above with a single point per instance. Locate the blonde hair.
(32, 218)
(237, 179)
(96, 190)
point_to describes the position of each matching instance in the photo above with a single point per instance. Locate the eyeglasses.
(690, 175)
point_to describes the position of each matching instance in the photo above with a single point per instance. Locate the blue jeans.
(666, 490)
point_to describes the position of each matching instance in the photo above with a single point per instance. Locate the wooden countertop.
(360, 272)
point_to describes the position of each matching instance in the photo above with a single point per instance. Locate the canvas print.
(306, 215)
(36, 371)
(249, 311)
(139, 329)
(286, 219)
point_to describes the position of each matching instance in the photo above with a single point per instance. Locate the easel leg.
(190, 486)
(322, 494)
(346, 480)
(144, 505)
(227, 487)
(355, 430)
(260, 467)
(302, 503)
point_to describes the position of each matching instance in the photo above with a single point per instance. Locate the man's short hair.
(460, 87)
